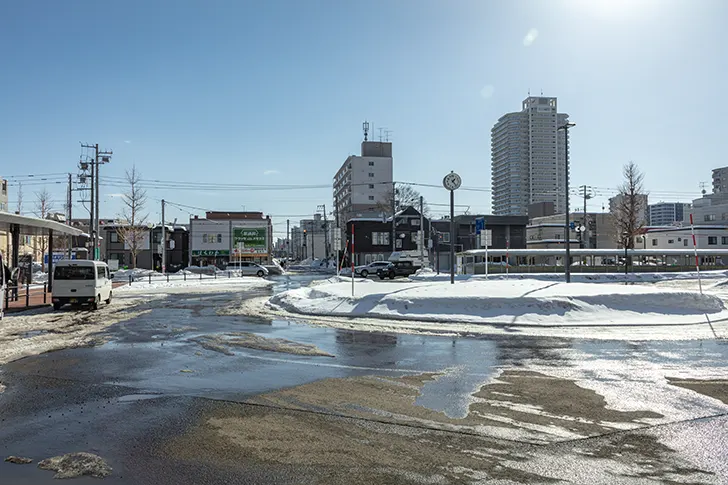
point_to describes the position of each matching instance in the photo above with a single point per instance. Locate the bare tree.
(43, 207)
(405, 196)
(628, 207)
(133, 232)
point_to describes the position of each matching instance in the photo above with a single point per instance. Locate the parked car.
(396, 268)
(249, 269)
(81, 282)
(371, 268)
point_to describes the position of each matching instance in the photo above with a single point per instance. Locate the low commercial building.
(222, 238)
(548, 232)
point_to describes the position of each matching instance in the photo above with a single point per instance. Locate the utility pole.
(394, 219)
(567, 236)
(326, 232)
(164, 243)
(421, 238)
(69, 213)
(99, 158)
(586, 195)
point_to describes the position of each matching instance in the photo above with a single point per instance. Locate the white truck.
(81, 282)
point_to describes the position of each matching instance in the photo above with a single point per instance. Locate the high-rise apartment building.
(668, 213)
(528, 158)
(364, 183)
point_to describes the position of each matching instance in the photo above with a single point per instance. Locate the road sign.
(337, 241)
(479, 224)
(572, 225)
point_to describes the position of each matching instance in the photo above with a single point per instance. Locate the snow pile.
(505, 303)
(40, 277)
(317, 265)
(427, 274)
(208, 270)
(135, 274)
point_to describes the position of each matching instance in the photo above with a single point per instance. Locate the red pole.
(352, 259)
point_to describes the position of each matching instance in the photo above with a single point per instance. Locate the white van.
(81, 282)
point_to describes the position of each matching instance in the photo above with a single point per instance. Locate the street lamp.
(567, 237)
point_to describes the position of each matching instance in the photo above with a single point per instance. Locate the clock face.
(452, 181)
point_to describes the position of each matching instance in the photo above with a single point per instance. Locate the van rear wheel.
(95, 304)
(56, 306)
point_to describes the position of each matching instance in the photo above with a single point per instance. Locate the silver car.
(249, 269)
(371, 268)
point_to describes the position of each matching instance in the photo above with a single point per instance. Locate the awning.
(33, 226)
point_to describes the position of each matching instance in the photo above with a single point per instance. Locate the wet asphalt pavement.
(187, 393)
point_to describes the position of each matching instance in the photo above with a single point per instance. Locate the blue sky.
(275, 92)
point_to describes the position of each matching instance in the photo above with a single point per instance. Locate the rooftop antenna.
(541, 91)
(702, 187)
(386, 135)
(381, 130)
(529, 92)
(365, 127)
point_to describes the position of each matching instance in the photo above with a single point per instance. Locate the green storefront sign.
(211, 253)
(250, 240)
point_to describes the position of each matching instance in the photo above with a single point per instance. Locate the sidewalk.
(36, 298)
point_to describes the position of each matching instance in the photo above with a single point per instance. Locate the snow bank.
(505, 303)
(136, 274)
(427, 274)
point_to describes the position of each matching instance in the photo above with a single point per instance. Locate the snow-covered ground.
(479, 306)
(178, 284)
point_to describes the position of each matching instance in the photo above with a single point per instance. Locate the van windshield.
(73, 273)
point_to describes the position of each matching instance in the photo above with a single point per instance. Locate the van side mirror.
(111, 276)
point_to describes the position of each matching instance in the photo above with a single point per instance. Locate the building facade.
(364, 183)
(373, 236)
(228, 237)
(548, 232)
(149, 255)
(503, 231)
(668, 213)
(642, 203)
(316, 238)
(528, 158)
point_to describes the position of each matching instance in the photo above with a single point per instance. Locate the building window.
(709, 217)
(685, 242)
(398, 244)
(380, 239)
(219, 238)
(371, 174)
(654, 242)
(724, 240)
(156, 237)
(371, 186)
(114, 237)
(371, 164)
(371, 197)
(445, 237)
(415, 222)
(712, 240)
(204, 239)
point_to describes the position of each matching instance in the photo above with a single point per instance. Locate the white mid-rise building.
(528, 158)
(363, 184)
(668, 213)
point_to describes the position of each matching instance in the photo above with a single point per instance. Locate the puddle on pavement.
(225, 343)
